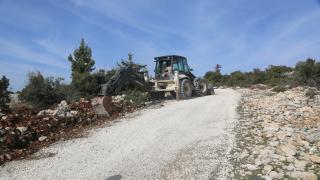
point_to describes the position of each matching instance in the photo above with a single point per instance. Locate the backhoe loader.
(172, 75)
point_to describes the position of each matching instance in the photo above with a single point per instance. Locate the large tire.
(185, 89)
(210, 89)
(201, 88)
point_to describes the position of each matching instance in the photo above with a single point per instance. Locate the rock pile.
(23, 132)
(278, 135)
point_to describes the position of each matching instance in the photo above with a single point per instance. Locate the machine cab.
(167, 65)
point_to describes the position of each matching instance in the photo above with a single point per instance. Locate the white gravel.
(181, 140)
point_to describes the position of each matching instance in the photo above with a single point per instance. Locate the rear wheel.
(211, 91)
(185, 89)
(201, 88)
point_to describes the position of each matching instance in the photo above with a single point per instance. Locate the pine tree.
(81, 60)
(4, 93)
(82, 65)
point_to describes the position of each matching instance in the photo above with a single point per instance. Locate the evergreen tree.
(81, 60)
(82, 65)
(4, 93)
(218, 68)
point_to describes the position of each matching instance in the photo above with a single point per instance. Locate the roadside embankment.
(278, 134)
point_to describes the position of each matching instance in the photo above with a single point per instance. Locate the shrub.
(311, 93)
(136, 97)
(279, 88)
(308, 73)
(4, 93)
(43, 92)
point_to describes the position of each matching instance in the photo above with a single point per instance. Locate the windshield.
(180, 65)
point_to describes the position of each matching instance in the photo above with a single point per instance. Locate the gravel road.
(181, 140)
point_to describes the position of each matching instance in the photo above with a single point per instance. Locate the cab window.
(178, 65)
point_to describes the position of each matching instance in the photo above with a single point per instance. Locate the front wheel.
(185, 89)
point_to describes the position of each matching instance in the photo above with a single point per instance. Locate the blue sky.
(238, 34)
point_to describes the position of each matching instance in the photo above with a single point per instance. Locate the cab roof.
(168, 57)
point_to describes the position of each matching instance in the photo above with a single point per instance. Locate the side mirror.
(190, 69)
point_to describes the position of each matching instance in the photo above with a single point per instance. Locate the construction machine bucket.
(102, 106)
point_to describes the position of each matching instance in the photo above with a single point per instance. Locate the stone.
(63, 103)
(290, 167)
(251, 167)
(41, 113)
(303, 175)
(305, 157)
(313, 137)
(273, 175)
(8, 156)
(273, 127)
(300, 165)
(291, 158)
(315, 159)
(257, 162)
(4, 117)
(281, 135)
(267, 169)
(287, 150)
(274, 143)
(42, 138)
(267, 178)
(22, 129)
(74, 113)
(304, 143)
(281, 158)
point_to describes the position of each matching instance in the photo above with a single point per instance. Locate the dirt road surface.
(181, 140)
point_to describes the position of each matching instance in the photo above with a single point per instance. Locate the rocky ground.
(278, 135)
(24, 131)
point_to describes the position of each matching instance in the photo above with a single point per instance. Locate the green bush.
(311, 93)
(43, 92)
(4, 94)
(213, 77)
(279, 88)
(308, 73)
(136, 97)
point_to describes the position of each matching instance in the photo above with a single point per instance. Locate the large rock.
(62, 109)
(314, 136)
(22, 129)
(251, 167)
(315, 159)
(300, 165)
(286, 149)
(42, 138)
(267, 169)
(48, 112)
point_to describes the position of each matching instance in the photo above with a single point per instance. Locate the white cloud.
(17, 50)
(51, 45)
